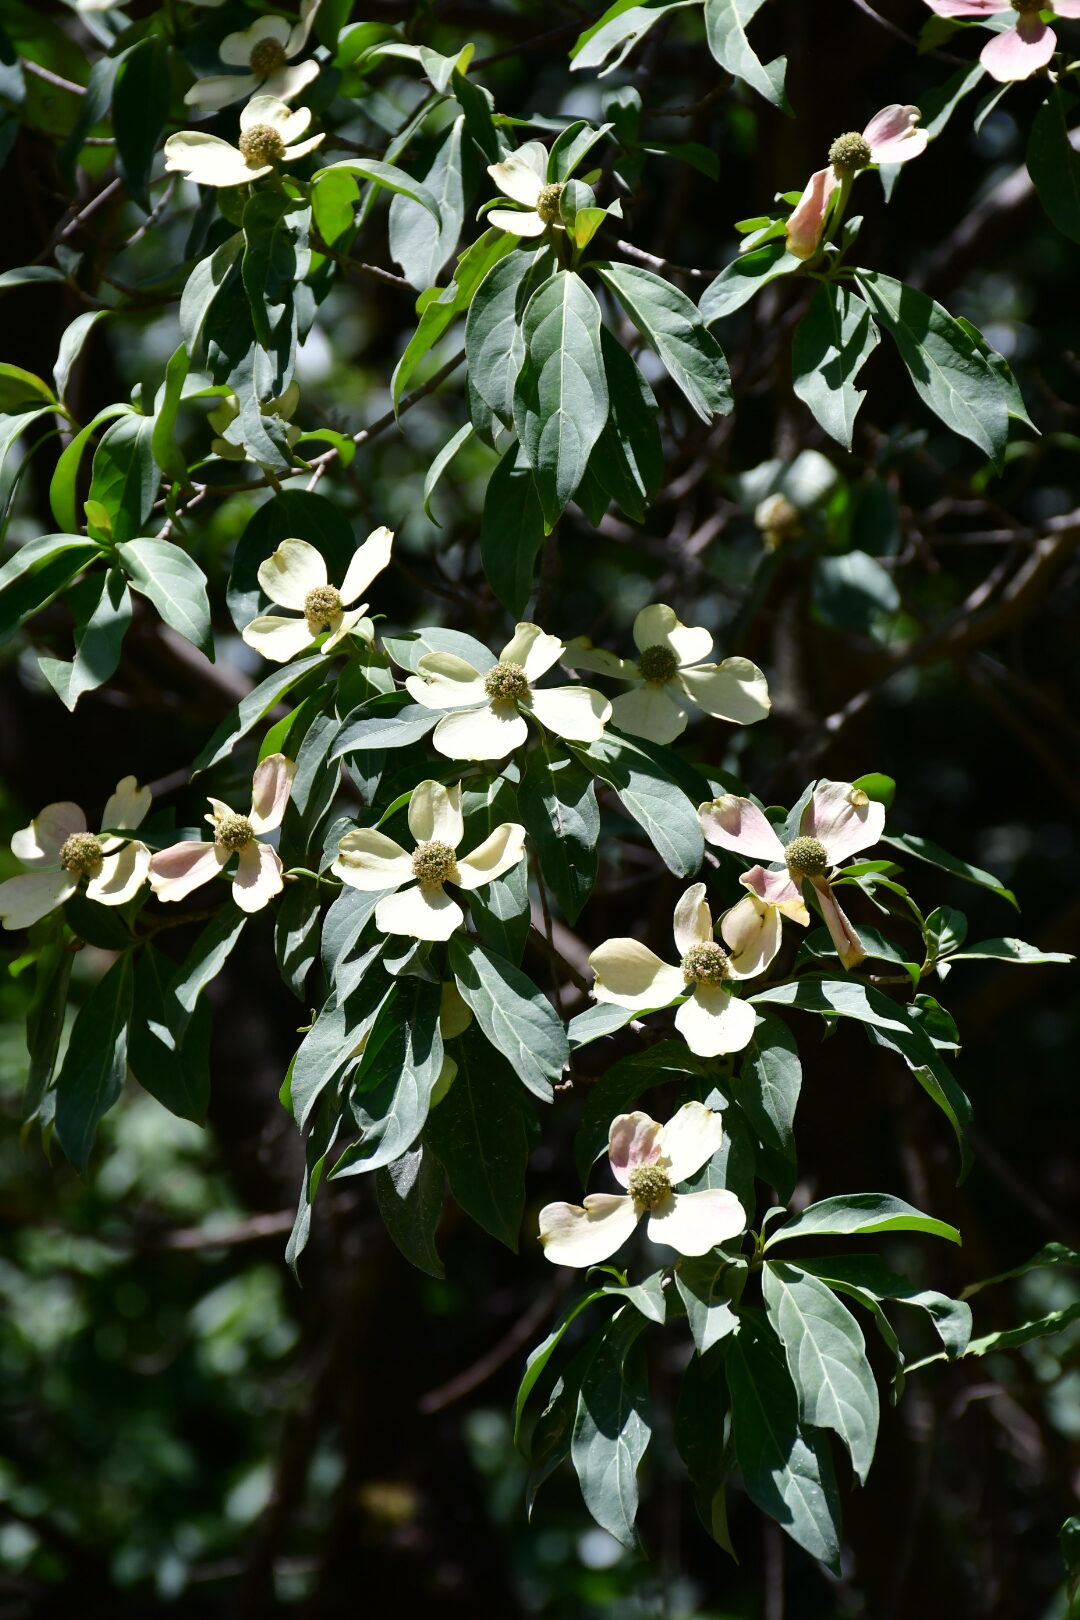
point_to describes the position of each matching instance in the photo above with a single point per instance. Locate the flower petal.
(735, 690)
(276, 637)
(516, 224)
(40, 843)
(289, 123)
(25, 899)
(969, 8)
(501, 849)
(422, 913)
(892, 136)
(270, 789)
(633, 1140)
(689, 1140)
(807, 219)
(176, 871)
(127, 806)
(533, 649)
(368, 860)
(777, 889)
(849, 946)
(581, 654)
(445, 681)
(658, 626)
(347, 623)
(737, 824)
(288, 81)
(713, 1022)
(649, 711)
(122, 875)
(1067, 8)
(693, 919)
(289, 573)
(752, 932)
(1019, 52)
(576, 712)
(521, 175)
(843, 826)
(220, 90)
(236, 49)
(630, 975)
(694, 1223)
(584, 1235)
(488, 733)
(300, 149)
(258, 877)
(208, 160)
(435, 812)
(367, 561)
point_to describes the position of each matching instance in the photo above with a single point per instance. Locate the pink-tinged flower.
(891, 136)
(1019, 51)
(838, 821)
(175, 872)
(711, 1020)
(61, 852)
(649, 1160)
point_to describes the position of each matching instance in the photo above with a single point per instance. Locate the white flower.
(711, 1020)
(295, 577)
(264, 49)
(61, 851)
(649, 1160)
(175, 872)
(266, 129)
(838, 821)
(224, 415)
(369, 860)
(489, 723)
(669, 673)
(523, 177)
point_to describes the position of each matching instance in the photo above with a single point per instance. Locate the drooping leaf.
(832, 343)
(409, 1193)
(858, 1214)
(511, 530)
(671, 324)
(92, 1074)
(97, 642)
(517, 1020)
(651, 796)
(164, 573)
(125, 476)
(1054, 163)
(557, 801)
(725, 29)
(611, 1427)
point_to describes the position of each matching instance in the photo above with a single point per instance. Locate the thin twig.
(45, 73)
(499, 1354)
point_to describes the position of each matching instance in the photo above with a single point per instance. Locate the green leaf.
(866, 1275)
(494, 347)
(725, 29)
(62, 488)
(440, 307)
(409, 1193)
(389, 178)
(252, 708)
(611, 1427)
(125, 477)
(445, 456)
(557, 803)
(29, 274)
(876, 786)
(420, 251)
(40, 568)
(1051, 1254)
(1041, 1327)
(786, 1468)
(511, 530)
(384, 724)
(164, 573)
(45, 1014)
(650, 795)
(603, 1018)
(767, 1090)
(97, 642)
(92, 108)
(617, 31)
(71, 345)
(204, 962)
(167, 453)
(832, 343)
(859, 1214)
(517, 1020)
(539, 1357)
(628, 460)
(408, 649)
(296, 934)
(213, 278)
(560, 398)
(483, 1132)
(926, 850)
(1008, 950)
(826, 1357)
(671, 325)
(329, 1046)
(743, 277)
(700, 1419)
(20, 390)
(939, 102)
(1054, 164)
(852, 591)
(392, 1090)
(950, 374)
(709, 1288)
(140, 108)
(91, 1077)
(177, 1074)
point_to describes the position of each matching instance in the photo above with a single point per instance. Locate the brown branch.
(499, 1354)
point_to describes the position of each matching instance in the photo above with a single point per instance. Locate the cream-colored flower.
(295, 577)
(61, 852)
(649, 1160)
(369, 860)
(523, 178)
(265, 49)
(222, 417)
(838, 821)
(176, 871)
(711, 1020)
(269, 134)
(669, 673)
(489, 722)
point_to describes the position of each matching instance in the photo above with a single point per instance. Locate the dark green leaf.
(725, 29)
(1054, 164)
(165, 574)
(669, 322)
(511, 530)
(611, 1428)
(926, 850)
(91, 1077)
(140, 107)
(421, 251)
(709, 1288)
(617, 1090)
(409, 1193)
(392, 1090)
(97, 643)
(517, 1020)
(125, 477)
(651, 796)
(252, 708)
(743, 277)
(178, 1075)
(860, 1214)
(557, 802)
(832, 343)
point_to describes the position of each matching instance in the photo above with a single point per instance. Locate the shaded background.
(185, 1431)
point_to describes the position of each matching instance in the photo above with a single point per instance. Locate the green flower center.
(657, 665)
(547, 204)
(321, 608)
(649, 1185)
(705, 964)
(506, 683)
(806, 857)
(261, 144)
(267, 57)
(849, 153)
(233, 833)
(434, 864)
(82, 855)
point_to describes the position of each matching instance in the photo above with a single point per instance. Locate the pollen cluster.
(433, 864)
(267, 57)
(806, 857)
(648, 1185)
(849, 153)
(81, 855)
(261, 144)
(506, 683)
(233, 833)
(705, 964)
(321, 608)
(547, 204)
(657, 665)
